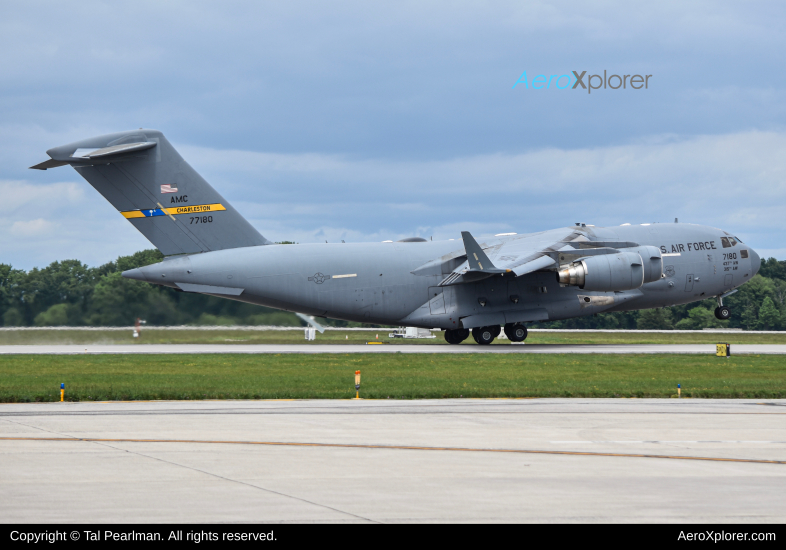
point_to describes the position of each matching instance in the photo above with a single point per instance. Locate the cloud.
(45, 222)
(733, 181)
(32, 228)
(367, 121)
(737, 181)
(406, 80)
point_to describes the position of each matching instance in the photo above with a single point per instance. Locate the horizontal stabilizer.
(51, 163)
(88, 155)
(113, 150)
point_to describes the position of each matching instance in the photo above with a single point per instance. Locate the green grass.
(26, 378)
(159, 336)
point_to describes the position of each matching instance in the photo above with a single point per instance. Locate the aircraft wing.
(525, 254)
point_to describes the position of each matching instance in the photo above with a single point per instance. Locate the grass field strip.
(262, 328)
(390, 447)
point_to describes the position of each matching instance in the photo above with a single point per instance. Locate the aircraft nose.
(135, 273)
(755, 262)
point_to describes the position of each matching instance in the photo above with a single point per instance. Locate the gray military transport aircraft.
(458, 286)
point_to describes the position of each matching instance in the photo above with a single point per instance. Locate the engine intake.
(607, 272)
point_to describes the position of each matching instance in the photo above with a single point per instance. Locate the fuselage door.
(689, 282)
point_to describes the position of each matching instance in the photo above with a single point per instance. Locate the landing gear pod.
(623, 271)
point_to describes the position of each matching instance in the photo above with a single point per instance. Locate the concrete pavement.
(462, 460)
(701, 349)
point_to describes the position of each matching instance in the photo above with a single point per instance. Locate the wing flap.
(542, 262)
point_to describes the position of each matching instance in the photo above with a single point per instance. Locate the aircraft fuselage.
(375, 283)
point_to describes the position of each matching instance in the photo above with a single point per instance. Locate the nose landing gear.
(722, 312)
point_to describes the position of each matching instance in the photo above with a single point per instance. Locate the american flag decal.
(168, 189)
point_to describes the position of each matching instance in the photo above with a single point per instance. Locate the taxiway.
(461, 460)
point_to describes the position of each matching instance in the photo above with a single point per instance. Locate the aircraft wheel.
(452, 337)
(484, 335)
(723, 313)
(462, 334)
(517, 333)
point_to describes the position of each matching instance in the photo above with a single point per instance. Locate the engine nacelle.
(606, 272)
(652, 262)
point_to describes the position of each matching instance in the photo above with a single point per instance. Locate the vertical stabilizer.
(150, 184)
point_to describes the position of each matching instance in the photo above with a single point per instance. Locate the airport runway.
(460, 460)
(701, 349)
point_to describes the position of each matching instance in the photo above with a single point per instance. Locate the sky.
(360, 121)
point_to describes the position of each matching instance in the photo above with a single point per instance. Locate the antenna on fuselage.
(676, 220)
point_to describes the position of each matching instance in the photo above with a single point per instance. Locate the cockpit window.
(725, 242)
(733, 241)
(738, 240)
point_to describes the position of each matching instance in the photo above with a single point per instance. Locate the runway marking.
(395, 447)
(667, 441)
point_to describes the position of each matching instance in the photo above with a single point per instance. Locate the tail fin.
(145, 178)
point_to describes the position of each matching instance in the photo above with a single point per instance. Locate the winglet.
(477, 259)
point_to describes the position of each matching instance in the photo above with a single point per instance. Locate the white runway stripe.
(668, 441)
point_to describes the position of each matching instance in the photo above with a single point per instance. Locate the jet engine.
(622, 271)
(652, 262)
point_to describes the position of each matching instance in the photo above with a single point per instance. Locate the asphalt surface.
(462, 460)
(702, 349)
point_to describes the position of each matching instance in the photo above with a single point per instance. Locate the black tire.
(484, 335)
(462, 334)
(508, 330)
(450, 337)
(517, 333)
(723, 313)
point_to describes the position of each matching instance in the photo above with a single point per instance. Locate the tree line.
(69, 293)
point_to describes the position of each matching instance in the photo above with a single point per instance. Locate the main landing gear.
(485, 335)
(722, 312)
(516, 332)
(456, 336)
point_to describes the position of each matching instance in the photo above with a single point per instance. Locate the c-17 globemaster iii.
(461, 286)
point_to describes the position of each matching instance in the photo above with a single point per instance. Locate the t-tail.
(150, 184)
